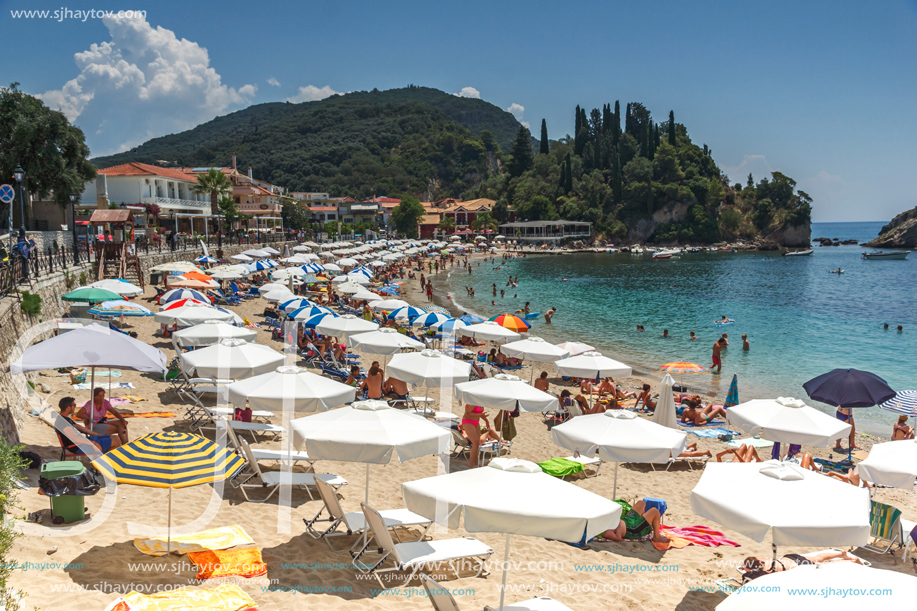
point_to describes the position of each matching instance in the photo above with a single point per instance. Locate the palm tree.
(217, 184)
(484, 221)
(447, 225)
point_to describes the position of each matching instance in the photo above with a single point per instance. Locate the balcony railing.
(170, 202)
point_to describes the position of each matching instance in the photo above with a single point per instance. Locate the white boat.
(668, 253)
(798, 253)
(897, 255)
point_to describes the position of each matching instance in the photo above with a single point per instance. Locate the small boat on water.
(661, 255)
(666, 254)
(879, 254)
(798, 253)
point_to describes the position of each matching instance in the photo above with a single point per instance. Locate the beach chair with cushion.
(355, 521)
(883, 528)
(254, 477)
(463, 446)
(587, 461)
(442, 600)
(266, 454)
(414, 556)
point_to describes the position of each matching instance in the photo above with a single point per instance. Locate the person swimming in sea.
(725, 320)
(693, 336)
(640, 328)
(665, 334)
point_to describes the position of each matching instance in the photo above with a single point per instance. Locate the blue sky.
(822, 91)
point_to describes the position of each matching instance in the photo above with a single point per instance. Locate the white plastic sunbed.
(274, 479)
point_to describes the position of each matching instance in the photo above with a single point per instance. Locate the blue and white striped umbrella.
(271, 263)
(313, 268)
(428, 319)
(257, 266)
(206, 259)
(904, 402)
(307, 312)
(449, 326)
(361, 270)
(176, 294)
(408, 313)
(295, 304)
(311, 322)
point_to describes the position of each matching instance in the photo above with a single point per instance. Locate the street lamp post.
(19, 174)
(74, 200)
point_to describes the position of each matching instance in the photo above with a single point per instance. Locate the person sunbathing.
(743, 453)
(638, 523)
(646, 398)
(479, 369)
(851, 478)
(691, 451)
(608, 387)
(701, 416)
(901, 430)
(754, 566)
(807, 462)
(396, 388)
(586, 387)
(542, 382)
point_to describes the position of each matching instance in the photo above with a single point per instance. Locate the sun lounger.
(414, 556)
(492, 448)
(267, 454)
(883, 528)
(256, 427)
(355, 521)
(588, 462)
(442, 600)
(272, 480)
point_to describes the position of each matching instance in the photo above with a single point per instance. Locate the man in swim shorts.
(718, 354)
(549, 315)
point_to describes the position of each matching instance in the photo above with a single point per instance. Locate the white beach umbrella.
(331, 267)
(534, 349)
(241, 257)
(270, 251)
(272, 286)
(799, 507)
(121, 287)
(234, 359)
(369, 432)
(504, 392)
(293, 387)
(364, 295)
(428, 366)
(514, 497)
(665, 413)
(227, 274)
(302, 248)
(787, 420)
(296, 259)
(279, 295)
(344, 326)
(378, 263)
(191, 314)
(256, 253)
(893, 463)
(829, 586)
(575, 348)
(620, 436)
(490, 331)
(385, 341)
(211, 332)
(175, 266)
(349, 288)
(347, 262)
(591, 365)
(388, 305)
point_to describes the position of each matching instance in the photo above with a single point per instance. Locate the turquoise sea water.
(801, 320)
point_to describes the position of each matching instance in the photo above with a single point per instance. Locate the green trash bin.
(67, 507)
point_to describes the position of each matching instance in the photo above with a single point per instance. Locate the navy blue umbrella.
(849, 388)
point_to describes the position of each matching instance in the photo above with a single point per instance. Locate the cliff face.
(793, 237)
(900, 233)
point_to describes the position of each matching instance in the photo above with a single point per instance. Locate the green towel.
(559, 467)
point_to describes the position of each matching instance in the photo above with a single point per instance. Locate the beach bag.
(77, 376)
(242, 415)
(508, 429)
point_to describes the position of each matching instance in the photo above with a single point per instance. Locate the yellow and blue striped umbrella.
(169, 460)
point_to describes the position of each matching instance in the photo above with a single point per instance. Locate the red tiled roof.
(144, 169)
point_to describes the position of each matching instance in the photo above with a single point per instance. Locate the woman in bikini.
(471, 427)
(646, 398)
(701, 417)
(755, 565)
(901, 430)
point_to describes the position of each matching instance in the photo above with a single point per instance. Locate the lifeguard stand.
(112, 233)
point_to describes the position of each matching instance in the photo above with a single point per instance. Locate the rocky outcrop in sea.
(901, 232)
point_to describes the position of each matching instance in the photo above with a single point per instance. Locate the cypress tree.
(617, 122)
(568, 174)
(628, 121)
(577, 145)
(672, 140)
(645, 142)
(521, 154)
(544, 138)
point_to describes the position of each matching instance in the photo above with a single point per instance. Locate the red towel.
(696, 535)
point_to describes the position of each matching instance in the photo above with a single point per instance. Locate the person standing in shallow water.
(718, 354)
(745, 345)
(549, 315)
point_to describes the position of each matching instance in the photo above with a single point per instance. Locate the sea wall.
(16, 325)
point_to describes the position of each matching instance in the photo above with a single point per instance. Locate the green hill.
(413, 140)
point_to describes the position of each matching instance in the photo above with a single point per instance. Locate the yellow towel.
(217, 538)
(214, 564)
(226, 597)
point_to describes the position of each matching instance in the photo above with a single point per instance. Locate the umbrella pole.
(169, 535)
(505, 567)
(614, 488)
(367, 483)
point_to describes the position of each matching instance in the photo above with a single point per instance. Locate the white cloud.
(518, 110)
(311, 93)
(756, 165)
(469, 92)
(144, 82)
(273, 82)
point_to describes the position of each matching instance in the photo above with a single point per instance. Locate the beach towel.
(148, 414)
(86, 385)
(559, 467)
(750, 441)
(99, 372)
(715, 432)
(225, 597)
(691, 424)
(216, 538)
(216, 564)
(693, 535)
(833, 465)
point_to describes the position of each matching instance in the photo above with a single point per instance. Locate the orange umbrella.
(511, 322)
(191, 283)
(196, 275)
(681, 367)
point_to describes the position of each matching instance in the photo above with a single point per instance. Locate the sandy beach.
(303, 573)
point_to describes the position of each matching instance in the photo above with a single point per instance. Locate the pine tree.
(544, 138)
(522, 153)
(751, 180)
(568, 174)
(672, 140)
